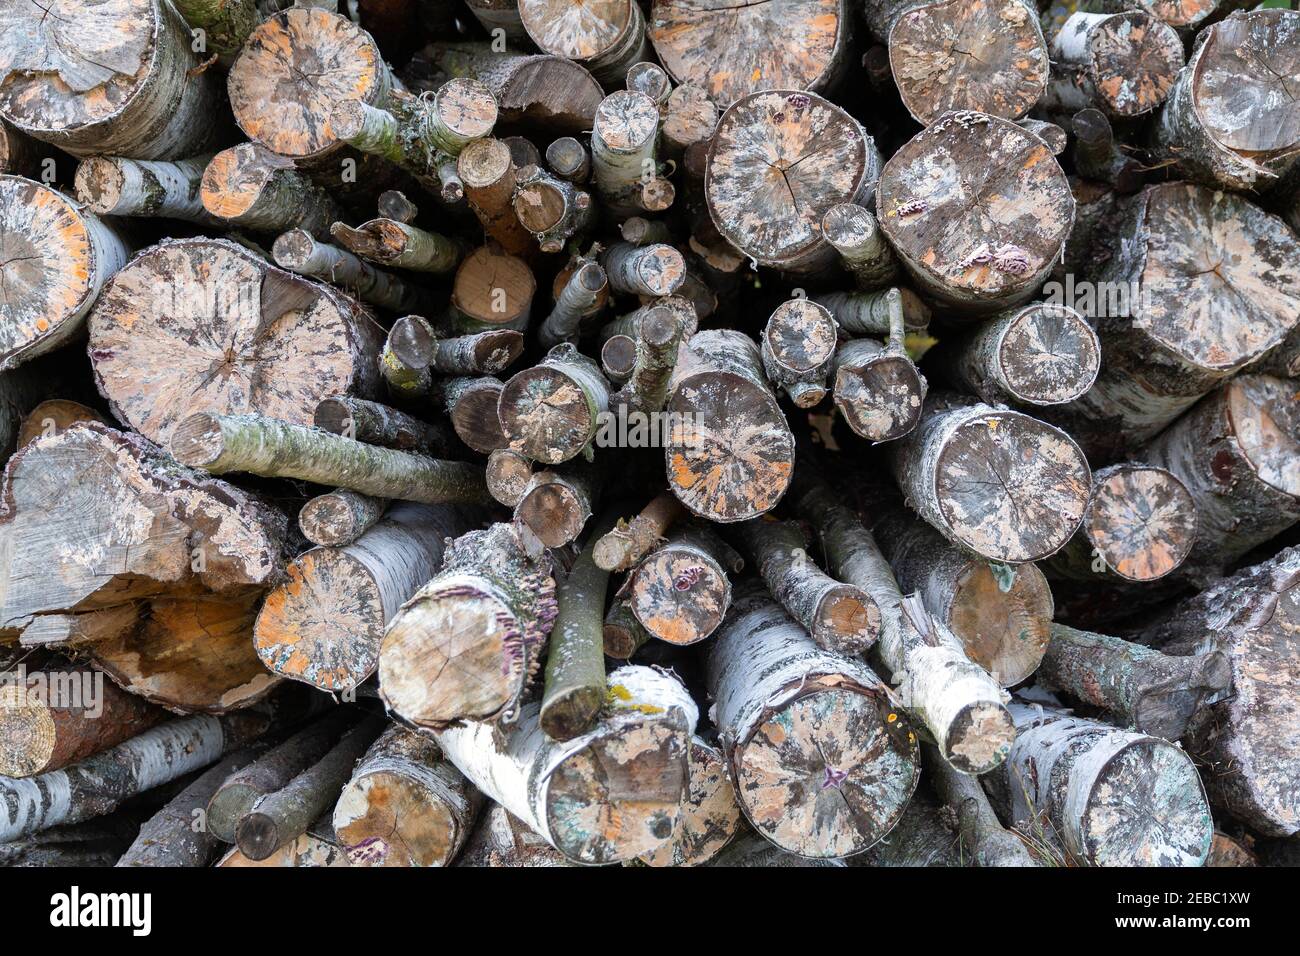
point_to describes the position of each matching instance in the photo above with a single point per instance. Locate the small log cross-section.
(550, 412)
(250, 187)
(877, 389)
(976, 209)
(681, 590)
(324, 625)
(406, 805)
(998, 483)
(610, 795)
(731, 454)
(1124, 64)
(822, 761)
(778, 162)
(113, 186)
(605, 36)
(798, 348)
(1153, 692)
(555, 504)
(467, 644)
(1107, 797)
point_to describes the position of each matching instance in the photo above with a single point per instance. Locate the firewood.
(501, 840)
(339, 517)
(660, 332)
(627, 543)
(877, 313)
(225, 25)
(57, 257)
(1243, 738)
(299, 251)
(318, 847)
(855, 235)
(472, 404)
(1140, 524)
(51, 417)
(99, 784)
(406, 805)
(499, 14)
(681, 590)
(777, 163)
(1007, 179)
(1228, 122)
(1152, 692)
(467, 644)
(824, 786)
(622, 633)
(116, 186)
(161, 350)
(783, 44)
(618, 358)
(1107, 797)
(552, 209)
(710, 816)
(53, 717)
(324, 625)
(581, 297)
(609, 795)
(118, 79)
(624, 146)
(507, 474)
(399, 245)
(982, 835)
(751, 850)
(689, 117)
(606, 36)
(798, 349)
(644, 232)
(393, 204)
(377, 424)
(838, 617)
(550, 412)
(489, 175)
(556, 503)
(731, 456)
(877, 389)
(492, 290)
(1099, 157)
(569, 159)
(957, 702)
(1002, 69)
(250, 187)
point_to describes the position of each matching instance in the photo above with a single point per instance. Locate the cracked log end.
(547, 414)
(709, 818)
(1141, 520)
(393, 822)
(492, 287)
(1134, 60)
(236, 178)
(554, 511)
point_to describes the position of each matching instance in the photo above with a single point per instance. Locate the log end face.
(198, 440)
(547, 414)
(27, 732)
(1142, 521)
(710, 817)
(1049, 355)
(679, 594)
(881, 400)
(847, 621)
(553, 512)
(385, 818)
(257, 835)
(1135, 58)
(626, 121)
(1002, 615)
(571, 714)
(979, 738)
(467, 107)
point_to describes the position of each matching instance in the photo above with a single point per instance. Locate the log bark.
(473, 404)
(1099, 157)
(660, 333)
(623, 634)
(406, 805)
(550, 412)
(115, 186)
(552, 209)
(838, 617)
(300, 252)
(877, 313)
(624, 148)
(55, 258)
(1124, 64)
(118, 79)
(984, 841)
(225, 25)
(1235, 454)
(653, 271)
(500, 840)
(731, 455)
(777, 163)
(605, 36)
(1243, 740)
(581, 297)
(339, 517)
(556, 503)
(995, 482)
(608, 796)
(957, 702)
(250, 187)
(100, 784)
(1106, 797)
(276, 449)
(399, 245)
(490, 176)
(710, 816)
(828, 785)
(377, 424)
(1152, 692)
(569, 159)
(735, 50)
(972, 164)
(628, 542)
(855, 235)
(507, 474)
(204, 325)
(467, 644)
(325, 624)
(49, 417)
(798, 349)
(680, 592)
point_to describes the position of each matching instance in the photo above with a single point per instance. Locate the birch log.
(488, 171)
(1107, 797)
(556, 503)
(54, 260)
(492, 290)
(399, 245)
(1124, 64)
(605, 36)
(681, 590)
(406, 805)
(550, 412)
(660, 333)
(114, 186)
(877, 389)
(581, 296)
(995, 482)
(628, 542)
(467, 644)
(339, 517)
(622, 633)
(822, 762)
(324, 625)
(552, 209)
(249, 187)
(977, 211)
(731, 453)
(299, 251)
(507, 474)
(610, 795)
(117, 78)
(205, 325)
(798, 348)
(855, 235)
(377, 424)
(982, 836)
(710, 817)
(569, 159)
(624, 146)
(473, 405)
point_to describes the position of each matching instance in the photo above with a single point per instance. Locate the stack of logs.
(528, 433)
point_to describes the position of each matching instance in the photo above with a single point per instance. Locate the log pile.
(649, 432)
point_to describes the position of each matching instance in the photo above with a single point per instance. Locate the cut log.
(977, 211)
(325, 624)
(1124, 64)
(1140, 525)
(339, 517)
(982, 836)
(556, 503)
(377, 424)
(50, 417)
(204, 325)
(925, 836)
(996, 482)
(54, 259)
(946, 55)
(627, 543)
(550, 412)
(316, 848)
(1235, 453)
(276, 449)
(855, 235)
(300, 252)
(224, 25)
(100, 784)
(689, 117)
(1001, 614)
(624, 144)
(1037, 354)
(467, 645)
(118, 78)
(660, 333)
(680, 591)
(956, 701)
(552, 209)
(623, 634)
(399, 245)
(710, 816)
(1099, 157)
(250, 187)
(114, 186)
(1230, 120)
(877, 313)
(404, 362)
(499, 14)
(473, 406)
(489, 174)
(610, 795)
(406, 805)
(1106, 797)
(877, 389)
(507, 474)
(53, 717)
(653, 270)
(605, 36)
(798, 349)
(838, 617)
(569, 159)
(492, 290)
(822, 761)
(581, 297)
(778, 162)
(733, 50)
(500, 840)
(1152, 692)
(731, 453)
(1245, 740)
